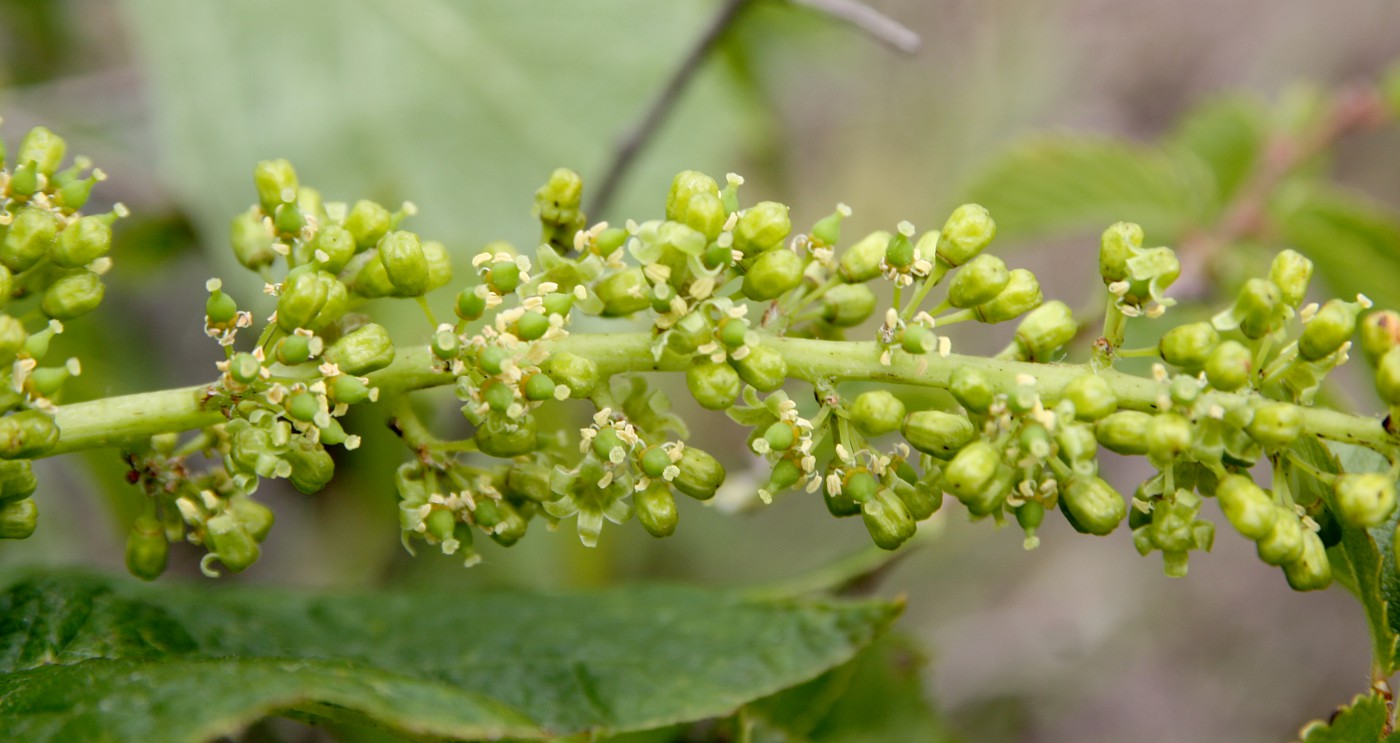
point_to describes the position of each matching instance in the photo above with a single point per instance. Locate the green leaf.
(1363, 720)
(463, 108)
(876, 698)
(121, 655)
(1227, 136)
(1364, 560)
(1354, 242)
(1055, 184)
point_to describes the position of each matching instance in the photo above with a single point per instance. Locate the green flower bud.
(1327, 330)
(367, 349)
(899, 253)
(1124, 432)
(922, 499)
(780, 436)
(312, 467)
(1228, 366)
(505, 437)
(1257, 308)
(1021, 295)
(229, 541)
(12, 337)
(1188, 346)
(877, 412)
(73, 295)
(26, 434)
(530, 481)
(705, 214)
(971, 389)
(276, 182)
(714, 386)
(1077, 442)
(440, 523)
(1380, 332)
(763, 367)
(404, 262)
(848, 305)
(1312, 571)
(29, 238)
(439, 264)
(1249, 509)
(1119, 243)
(147, 551)
(1168, 435)
(762, 227)
(978, 282)
(255, 517)
(220, 308)
(289, 220)
(918, 340)
(1095, 506)
(1045, 330)
(367, 222)
(18, 518)
(656, 509)
(968, 230)
(251, 241)
(840, 504)
(73, 195)
(43, 148)
(1364, 500)
(506, 525)
(244, 367)
(976, 476)
(1291, 272)
(624, 292)
(7, 286)
(686, 186)
(887, 519)
(539, 387)
(557, 201)
(1388, 377)
(16, 480)
(827, 230)
(1284, 543)
(302, 297)
(700, 474)
(332, 248)
(82, 242)
(577, 373)
(1091, 396)
(861, 262)
(774, 274)
(937, 433)
(1275, 424)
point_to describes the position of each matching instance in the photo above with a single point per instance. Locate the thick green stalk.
(116, 420)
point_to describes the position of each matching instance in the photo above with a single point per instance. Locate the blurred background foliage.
(1060, 117)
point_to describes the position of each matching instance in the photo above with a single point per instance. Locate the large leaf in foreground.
(88, 658)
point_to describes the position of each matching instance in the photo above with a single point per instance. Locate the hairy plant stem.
(119, 420)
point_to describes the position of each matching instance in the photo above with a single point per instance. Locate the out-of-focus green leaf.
(463, 108)
(1354, 242)
(87, 658)
(1054, 184)
(1362, 721)
(1364, 560)
(1227, 135)
(876, 698)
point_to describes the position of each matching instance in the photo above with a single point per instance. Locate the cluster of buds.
(745, 307)
(52, 259)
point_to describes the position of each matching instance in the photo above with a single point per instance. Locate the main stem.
(115, 421)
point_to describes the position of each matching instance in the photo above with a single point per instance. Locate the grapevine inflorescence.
(757, 317)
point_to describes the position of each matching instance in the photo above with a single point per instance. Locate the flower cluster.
(52, 259)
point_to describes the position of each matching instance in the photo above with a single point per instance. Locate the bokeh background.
(464, 108)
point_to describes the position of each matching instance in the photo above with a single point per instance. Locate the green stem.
(115, 421)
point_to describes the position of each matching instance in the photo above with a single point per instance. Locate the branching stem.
(117, 420)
